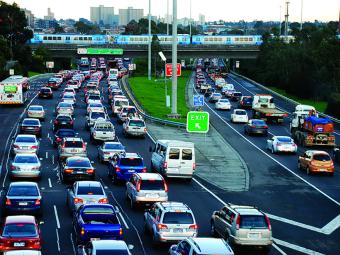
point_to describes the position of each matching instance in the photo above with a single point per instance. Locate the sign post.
(168, 70)
(197, 122)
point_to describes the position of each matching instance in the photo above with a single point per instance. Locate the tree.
(155, 48)
(58, 29)
(86, 28)
(132, 28)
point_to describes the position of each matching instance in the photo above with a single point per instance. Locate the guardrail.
(289, 100)
(129, 93)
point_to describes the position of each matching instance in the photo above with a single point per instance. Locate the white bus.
(12, 90)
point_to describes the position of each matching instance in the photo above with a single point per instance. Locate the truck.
(102, 130)
(204, 87)
(308, 129)
(13, 90)
(96, 222)
(263, 107)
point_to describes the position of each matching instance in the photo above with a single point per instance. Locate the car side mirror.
(41, 222)
(92, 162)
(130, 247)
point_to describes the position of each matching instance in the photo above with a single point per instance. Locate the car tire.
(132, 204)
(272, 150)
(308, 170)
(299, 165)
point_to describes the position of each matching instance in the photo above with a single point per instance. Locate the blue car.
(23, 198)
(123, 166)
(96, 222)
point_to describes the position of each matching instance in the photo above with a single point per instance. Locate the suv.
(123, 166)
(93, 117)
(146, 188)
(242, 225)
(170, 222)
(72, 146)
(102, 131)
(134, 127)
(126, 112)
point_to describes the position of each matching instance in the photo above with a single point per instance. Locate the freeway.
(304, 209)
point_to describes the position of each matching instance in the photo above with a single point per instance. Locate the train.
(182, 39)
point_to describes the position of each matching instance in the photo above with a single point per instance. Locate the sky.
(227, 10)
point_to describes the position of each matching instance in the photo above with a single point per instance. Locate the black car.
(61, 133)
(30, 126)
(246, 102)
(45, 93)
(63, 121)
(236, 96)
(77, 168)
(336, 154)
(209, 92)
(258, 127)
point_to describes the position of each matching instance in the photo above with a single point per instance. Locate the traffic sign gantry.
(197, 122)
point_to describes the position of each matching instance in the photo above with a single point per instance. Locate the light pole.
(149, 44)
(280, 22)
(190, 19)
(174, 59)
(165, 87)
(301, 14)
(167, 17)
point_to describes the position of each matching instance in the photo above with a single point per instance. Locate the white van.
(173, 158)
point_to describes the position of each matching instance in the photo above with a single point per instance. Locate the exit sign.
(197, 122)
(168, 70)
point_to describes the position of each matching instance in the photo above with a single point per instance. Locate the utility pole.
(190, 19)
(286, 21)
(167, 17)
(280, 28)
(174, 59)
(301, 14)
(149, 44)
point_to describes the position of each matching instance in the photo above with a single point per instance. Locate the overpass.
(184, 51)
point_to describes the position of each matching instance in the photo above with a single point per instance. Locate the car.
(74, 84)
(22, 198)
(122, 166)
(53, 84)
(25, 144)
(64, 108)
(102, 131)
(20, 232)
(62, 133)
(246, 102)
(31, 126)
(69, 98)
(134, 127)
(72, 146)
(146, 189)
(108, 149)
(239, 116)
(25, 166)
(69, 91)
(95, 107)
(214, 97)
(22, 252)
(314, 161)
(76, 168)
(209, 92)
(93, 98)
(256, 127)
(242, 225)
(201, 245)
(236, 96)
(281, 144)
(85, 192)
(336, 154)
(45, 92)
(63, 121)
(127, 112)
(170, 222)
(222, 104)
(93, 117)
(36, 111)
(118, 103)
(107, 246)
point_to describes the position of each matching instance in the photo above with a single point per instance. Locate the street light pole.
(149, 44)
(280, 22)
(190, 19)
(167, 17)
(174, 59)
(301, 14)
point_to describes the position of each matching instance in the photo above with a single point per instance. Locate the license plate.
(19, 244)
(74, 150)
(152, 195)
(131, 171)
(23, 203)
(94, 239)
(79, 172)
(323, 170)
(254, 235)
(178, 230)
(64, 123)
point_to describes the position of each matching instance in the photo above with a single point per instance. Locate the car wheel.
(272, 150)
(212, 229)
(299, 165)
(132, 204)
(308, 170)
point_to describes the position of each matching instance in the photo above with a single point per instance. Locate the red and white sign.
(168, 70)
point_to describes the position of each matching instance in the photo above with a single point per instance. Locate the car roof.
(148, 176)
(317, 152)
(65, 129)
(130, 155)
(89, 183)
(77, 158)
(30, 119)
(25, 135)
(23, 184)
(173, 206)
(20, 219)
(245, 209)
(118, 143)
(282, 136)
(208, 245)
(109, 244)
(35, 105)
(26, 155)
(176, 143)
(73, 139)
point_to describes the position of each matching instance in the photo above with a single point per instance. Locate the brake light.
(265, 126)
(268, 222)
(165, 165)
(194, 226)
(84, 146)
(37, 202)
(8, 202)
(117, 169)
(120, 231)
(253, 126)
(82, 231)
(138, 186)
(90, 171)
(77, 200)
(238, 222)
(161, 226)
(71, 122)
(278, 144)
(68, 171)
(16, 146)
(34, 147)
(58, 139)
(144, 170)
(103, 201)
(56, 122)
(193, 166)
(13, 167)
(145, 130)
(166, 189)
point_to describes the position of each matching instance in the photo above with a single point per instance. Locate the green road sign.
(99, 51)
(198, 122)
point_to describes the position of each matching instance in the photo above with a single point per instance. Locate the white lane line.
(48, 135)
(50, 121)
(46, 155)
(296, 247)
(121, 216)
(74, 249)
(56, 216)
(58, 240)
(52, 159)
(331, 226)
(279, 249)
(49, 183)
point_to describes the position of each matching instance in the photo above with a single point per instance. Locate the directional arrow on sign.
(197, 125)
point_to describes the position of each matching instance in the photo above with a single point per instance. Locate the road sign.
(197, 122)
(11, 71)
(168, 70)
(237, 64)
(132, 67)
(49, 64)
(99, 51)
(198, 100)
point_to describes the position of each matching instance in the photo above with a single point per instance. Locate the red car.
(20, 233)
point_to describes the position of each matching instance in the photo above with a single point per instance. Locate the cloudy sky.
(234, 10)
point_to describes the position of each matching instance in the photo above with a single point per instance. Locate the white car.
(95, 107)
(281, 144)
(36, 111)
(239, 116)
(223, 104)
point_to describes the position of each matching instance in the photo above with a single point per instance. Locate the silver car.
(36, 111)
(134, 127)
(72, 146)
(64, 108)
(25, 166)
(146, 188)
(25, 144)
(69, 98)
(108, 149)
(85, 192)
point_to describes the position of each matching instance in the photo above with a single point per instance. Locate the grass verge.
(319, 105)
(31, 73)
(151, 95)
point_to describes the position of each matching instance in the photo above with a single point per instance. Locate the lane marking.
(56, 216)
(121, 216)
(52, 159)
(46, 154)
(58, 240)
(73, 246)
(296, 247)
(49, 183)
(278, 249)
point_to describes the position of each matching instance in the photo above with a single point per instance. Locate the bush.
(334, 105)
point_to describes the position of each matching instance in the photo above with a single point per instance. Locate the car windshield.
(178, 218)
(241, 113)
(52, 82)
(23, 159)
(31, 122)
(121, 103)
(112, 146)
(321, 157)
(35, 108)
(152, 185)
(129, 110)
(96, 115)
(20, 230)
(98, 210)
(94, 97)
(90, 190)
(25, 139)
(224, 101)
(28, 190)
(74, 144)
(78, 163)
(247, 99)
(66, 105)
(64, 118)
(284, 139)
(131, 162)
(136, 123)
(216, 94)
(72, 82)
(259, 123)
(68, 97)
(45, 90)
(66, 133)
(253, 221)
(95, 105)
(237, 94)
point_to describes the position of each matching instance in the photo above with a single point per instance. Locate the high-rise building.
(201, 19)
(129, 14)
(50, 15)
(29, 17)
(102, 15)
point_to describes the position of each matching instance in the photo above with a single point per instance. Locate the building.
(29, 17)
(50, 15)
(129, 14)
(102, 15)
(201, 19)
